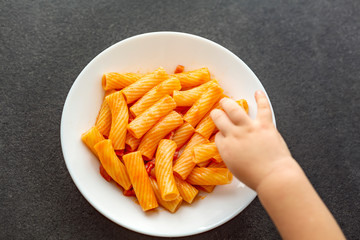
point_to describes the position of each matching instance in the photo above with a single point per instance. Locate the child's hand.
(251, 149)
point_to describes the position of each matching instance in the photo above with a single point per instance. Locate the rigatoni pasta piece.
(114, 80)
(243, 103)
(193, 78)
(142, 123)
(204, 152)
(103, 120)
(140, 180)
(184, 165)
(151, 139)
(92, 137)
(183, 134)
(203, 104)
(206, 188)
(204, 164)
(119, 119)
(112, 164)
(132, 142)
(156, 93)
(171, 206)
(217, 158)
(206, 126)
(136, 90)
(209, 176)
(217, 165)
(189, 97)
(163, 170)
(187, 191)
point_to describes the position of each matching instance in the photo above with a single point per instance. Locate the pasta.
(92, 137)
(187, 191)
(157, 142)
(132, 142)
(151, 139)
(103, 120)
(209, 176)
(119, 122)
(142, 123)
(193, 78)
(164, 88)
(136, 90)
(140, 180)
(187, 98)
(185, 163)
(206, 188)
(114, 80)
(203, 104)
(183, 134)
(163, 170)
(205, 152)
(172, 205)
(111, 163)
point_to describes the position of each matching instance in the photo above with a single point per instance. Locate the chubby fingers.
(221, 121)
(236, 114)
(263, 107)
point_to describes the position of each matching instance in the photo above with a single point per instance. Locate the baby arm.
(257, 155)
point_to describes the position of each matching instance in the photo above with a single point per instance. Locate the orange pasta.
(151, 139)
(187, 191)
(114, 80)
(92, 137)
(103, 120)
(193, 78)
(142, 123)
(171, 206)
(204, 164)
(149, 115)
(206, 126)
(185, 163)
(189, 97)
(140, 180)
(111, 163)
(206, 188)
(164, 88)
(243, 103)
(204, 152)
(120, 117)
(132, 142)
(209, 176)
(136, 90)
(183, 134)
(217, 165)
(163, 170)
(203, 104)
(217, 158)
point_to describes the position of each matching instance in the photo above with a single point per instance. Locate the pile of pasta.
(154, 136)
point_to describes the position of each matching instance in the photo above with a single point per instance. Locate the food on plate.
(154, 137)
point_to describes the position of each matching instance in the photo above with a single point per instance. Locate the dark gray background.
(306, 54)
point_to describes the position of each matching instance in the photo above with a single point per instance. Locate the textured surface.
(306, 53)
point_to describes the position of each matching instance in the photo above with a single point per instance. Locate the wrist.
(285, 170)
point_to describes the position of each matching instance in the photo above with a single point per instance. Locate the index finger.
(236, 114)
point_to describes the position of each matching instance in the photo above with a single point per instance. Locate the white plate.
(144, 53)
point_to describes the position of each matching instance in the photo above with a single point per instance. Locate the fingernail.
(259, 92)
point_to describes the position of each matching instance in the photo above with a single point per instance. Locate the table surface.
(306, 54)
